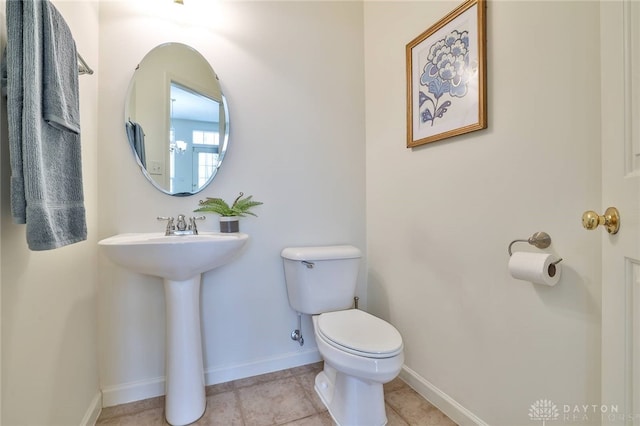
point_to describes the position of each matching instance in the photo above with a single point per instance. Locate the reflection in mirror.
(176, 119)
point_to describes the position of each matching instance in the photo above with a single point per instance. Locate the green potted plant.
(229, 214)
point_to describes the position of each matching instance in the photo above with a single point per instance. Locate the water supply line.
(297, 333)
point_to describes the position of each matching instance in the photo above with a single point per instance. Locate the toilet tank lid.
(321, 252)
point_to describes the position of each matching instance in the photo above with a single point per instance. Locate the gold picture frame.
(446, 77)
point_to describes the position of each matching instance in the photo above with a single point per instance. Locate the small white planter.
(229, 224)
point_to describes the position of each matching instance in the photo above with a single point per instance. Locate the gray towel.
(14, 108)
(136, 140)
(3, 73)
(60, 99)
(49, 123)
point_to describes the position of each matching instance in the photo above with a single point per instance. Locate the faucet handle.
(192, 223)
(170, 226)
(167, 218)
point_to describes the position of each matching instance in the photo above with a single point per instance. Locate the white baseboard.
(93, 412)
(262, 366)
(144, 389)
(132, 391)
(441, 400)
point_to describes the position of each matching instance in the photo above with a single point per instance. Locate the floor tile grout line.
(396, 412)
(236, 395)
(306, 394)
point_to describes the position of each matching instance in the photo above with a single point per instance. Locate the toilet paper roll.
(535, 267)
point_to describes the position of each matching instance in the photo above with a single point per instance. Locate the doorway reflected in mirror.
(176, 119)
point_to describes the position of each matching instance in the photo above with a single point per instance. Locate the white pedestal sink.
(180, 261)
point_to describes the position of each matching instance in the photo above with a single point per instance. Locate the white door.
(620, 97)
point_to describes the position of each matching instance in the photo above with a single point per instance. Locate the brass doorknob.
(610, 220)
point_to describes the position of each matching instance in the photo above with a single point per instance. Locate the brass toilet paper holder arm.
(541, 240)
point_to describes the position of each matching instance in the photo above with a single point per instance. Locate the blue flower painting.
(445, 76)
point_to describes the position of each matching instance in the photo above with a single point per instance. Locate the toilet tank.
(321, 279)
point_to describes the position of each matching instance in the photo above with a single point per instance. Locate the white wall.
(440, 217)
(293, 76)
(49, 341)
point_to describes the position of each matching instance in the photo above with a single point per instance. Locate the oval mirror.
(176, 119)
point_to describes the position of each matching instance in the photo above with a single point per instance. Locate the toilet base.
(351, 401)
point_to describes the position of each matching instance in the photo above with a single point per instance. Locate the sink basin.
(180, 261)
(175, 258)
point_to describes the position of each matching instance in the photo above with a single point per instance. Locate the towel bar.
(83, 68)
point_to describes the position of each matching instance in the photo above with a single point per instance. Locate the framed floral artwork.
(446, 77)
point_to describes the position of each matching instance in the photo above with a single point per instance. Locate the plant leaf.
(240, 207)
(243, 206)
(215, 205)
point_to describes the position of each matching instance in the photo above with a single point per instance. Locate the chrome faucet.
(181, 227)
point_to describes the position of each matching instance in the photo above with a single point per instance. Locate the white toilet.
(361, 352)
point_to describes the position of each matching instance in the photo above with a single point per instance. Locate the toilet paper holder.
(540, 240)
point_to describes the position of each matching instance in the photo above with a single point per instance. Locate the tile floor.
(281, 398)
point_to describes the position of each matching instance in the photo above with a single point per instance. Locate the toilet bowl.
(361, 352)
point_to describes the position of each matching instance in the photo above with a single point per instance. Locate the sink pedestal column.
(185, 400)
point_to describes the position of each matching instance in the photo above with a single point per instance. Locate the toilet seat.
(359, 333)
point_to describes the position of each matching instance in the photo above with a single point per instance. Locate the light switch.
(155, 167)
